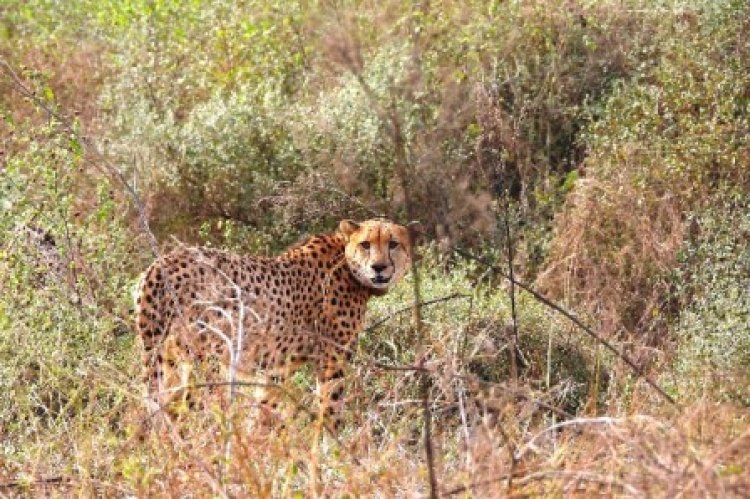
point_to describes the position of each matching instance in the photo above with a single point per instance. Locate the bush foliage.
(713, 333)
(670, 141)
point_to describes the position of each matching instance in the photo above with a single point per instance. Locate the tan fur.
(199, 305)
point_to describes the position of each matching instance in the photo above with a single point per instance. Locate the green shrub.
(470, 334)
(66, 357)
(217, 108)
(713, 333)
(197, 110)
(664, 143)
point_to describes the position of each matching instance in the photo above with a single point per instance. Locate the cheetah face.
(378, 252)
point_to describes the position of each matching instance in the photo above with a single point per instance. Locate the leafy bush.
(66, 361)
(498, 104)
(664, 143)
(713, 357)
(196, 110)
(470, 334)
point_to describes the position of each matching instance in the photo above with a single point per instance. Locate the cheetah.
(251, 314)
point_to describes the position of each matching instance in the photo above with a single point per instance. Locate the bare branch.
(550, 475)
(408, 308)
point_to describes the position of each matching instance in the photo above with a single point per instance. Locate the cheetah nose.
(378, 267)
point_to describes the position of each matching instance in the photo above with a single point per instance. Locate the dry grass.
(493, 447)
(611, 241)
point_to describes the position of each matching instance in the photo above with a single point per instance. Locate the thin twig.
(21, 483)
(408, 308)
(512, 292)
(573, 422)
(586, 476)
(429, 451)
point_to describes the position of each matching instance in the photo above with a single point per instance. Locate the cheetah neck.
(325, 254)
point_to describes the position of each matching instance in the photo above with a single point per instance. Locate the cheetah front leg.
(330, 386)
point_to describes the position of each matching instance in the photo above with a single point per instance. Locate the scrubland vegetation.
(598, 151)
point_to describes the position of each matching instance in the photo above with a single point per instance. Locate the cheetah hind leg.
(272, 407)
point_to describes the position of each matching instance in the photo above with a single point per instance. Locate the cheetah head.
(379, 252)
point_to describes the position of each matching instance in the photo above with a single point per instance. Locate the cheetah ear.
(415, 230)
(348, 227)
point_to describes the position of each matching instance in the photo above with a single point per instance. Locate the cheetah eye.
(393, 245)
(365, 245)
